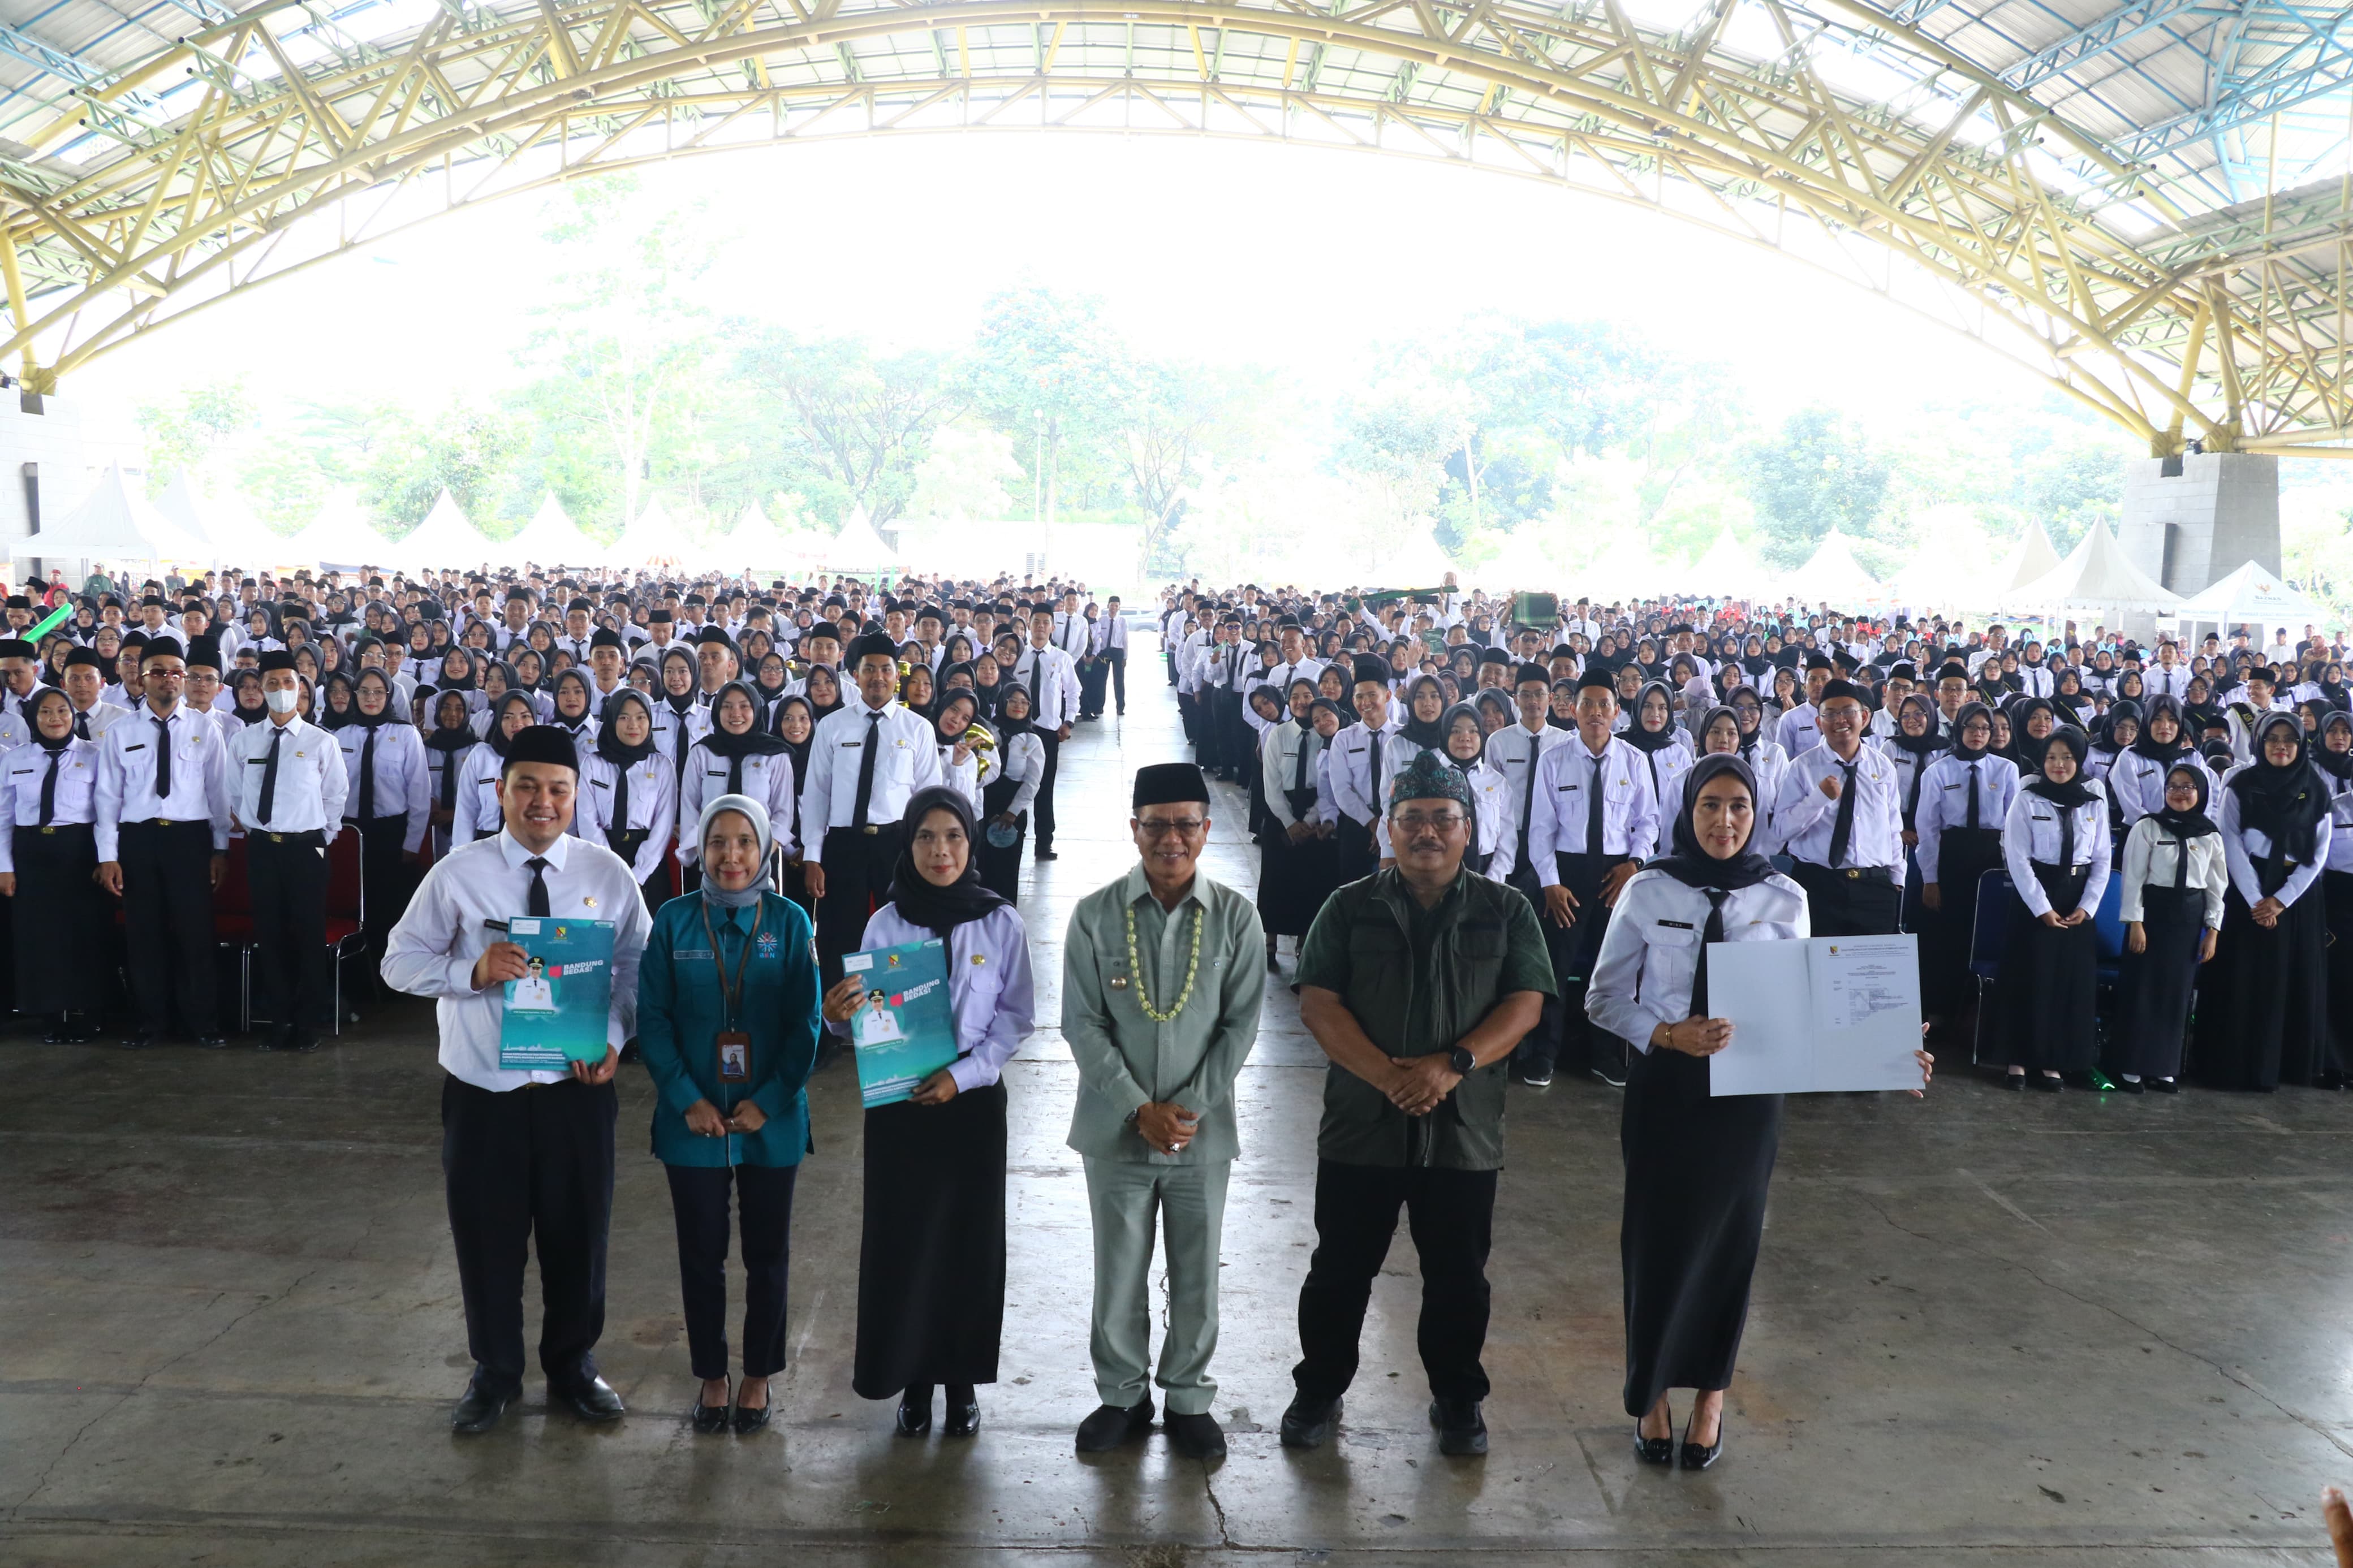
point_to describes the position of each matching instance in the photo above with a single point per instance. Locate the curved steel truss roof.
(2148, 205)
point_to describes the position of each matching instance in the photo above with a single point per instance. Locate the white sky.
(1294, 258)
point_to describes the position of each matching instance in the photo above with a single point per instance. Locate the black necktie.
(81, 726)
(620, 823)
(1593, 809)
(1528, 792)
(49, 787)
(537, 904)
(735, 776)
(1372, 776)
(1713, 931)
(367, 776)
(269, 776)
(1842, 830)
(1299, 767)
(866, 770)
(163, 764)
(2066, 839)
(1973, 797)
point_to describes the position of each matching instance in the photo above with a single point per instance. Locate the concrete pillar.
(2191, 520)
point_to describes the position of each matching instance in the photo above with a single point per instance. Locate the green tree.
(1817, 473)
(864, 420)
(1392, 455)
(185, 433)
(1045, 363)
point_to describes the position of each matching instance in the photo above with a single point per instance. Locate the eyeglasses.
(1415, 821)
(1182, 828)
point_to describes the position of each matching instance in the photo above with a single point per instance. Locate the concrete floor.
(1986, 1329)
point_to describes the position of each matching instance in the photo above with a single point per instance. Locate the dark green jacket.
(1483, 943)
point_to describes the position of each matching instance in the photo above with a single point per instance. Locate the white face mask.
(282, 701)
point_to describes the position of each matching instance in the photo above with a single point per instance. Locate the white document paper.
(1826, 1016)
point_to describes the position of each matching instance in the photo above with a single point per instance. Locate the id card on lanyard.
(732, 1045)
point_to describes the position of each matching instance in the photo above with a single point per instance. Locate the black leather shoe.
(709, 1420)
(1695, 1457)
(301, 1042)
(2130, 1086)
(1309, 1422)
(1615, 1077)
(1653, 1450)
(479, 1409)
(212, 1042)
(1046, 855)
(2045, 1083)
(2163, 1085)
(1110, 1427)
(1196, 1436)
(593, 1401)
(915, 1419)
(750, 1421)
(67, 1033)
(962, 1417)
(2014, 1082)
(1462, 1430)
(140, 1043)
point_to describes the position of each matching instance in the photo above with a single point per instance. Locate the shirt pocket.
(1669, 966)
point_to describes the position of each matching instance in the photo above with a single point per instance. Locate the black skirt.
(2262, 1014)
(1294, 880)
(1963, 855)
(1697, 1170)
(2046, 1001)
(931, 1262)
(2337, 890)
(1000, 869)
(2154, 987)
(61, 931)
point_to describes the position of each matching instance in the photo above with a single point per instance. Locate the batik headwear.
(1430, 777)
(1690, 863)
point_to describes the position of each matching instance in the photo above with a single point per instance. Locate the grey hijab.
(758, 815)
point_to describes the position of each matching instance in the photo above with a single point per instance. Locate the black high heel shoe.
(1695, 1457)
(963, 1415)
(709, 1419)
(1655, 1450)
(916, 1411)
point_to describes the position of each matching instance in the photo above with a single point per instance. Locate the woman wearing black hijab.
(445, 760)
(2262, 1014)
(248, 703)
(62, 917)
(628, 795)
(736, 756)
(1697, 1166)
(2055, 840)
(1964, 797)
(931, 1264)
(796, 725)
(2332, 754)
(2174, 876)
(1012, 786)
(2032, 721)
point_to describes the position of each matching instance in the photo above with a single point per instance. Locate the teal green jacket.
(679, 1017)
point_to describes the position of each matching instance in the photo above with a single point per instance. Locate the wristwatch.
(1460, 1059)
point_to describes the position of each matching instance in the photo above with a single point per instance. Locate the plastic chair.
(233, 925)
(346, 909)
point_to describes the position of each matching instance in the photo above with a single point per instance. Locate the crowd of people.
(1495, 833)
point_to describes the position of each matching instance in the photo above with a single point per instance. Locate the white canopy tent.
(550, 539)
(1833, 575)
(225, 523)
(1727, 569)
(1624, 569)
(653, 540)
(858, 548)
(340, 536)
(2251, 596)
(753, 545)
(444, 539)
(114, 523)
(2096, 577)
(2032, 558)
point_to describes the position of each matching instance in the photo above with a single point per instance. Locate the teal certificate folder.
(904, 1028)
(557, 1013)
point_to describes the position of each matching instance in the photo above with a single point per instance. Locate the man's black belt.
(310, 838)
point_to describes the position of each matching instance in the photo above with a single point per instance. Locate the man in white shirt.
(1053, 682)
(1841, 814)
(865, 760)
(287, 781)
(1592, 819)
(1295, 662)
(1357, 754)
(163, 814)
(526, 1153)
(1110, 646)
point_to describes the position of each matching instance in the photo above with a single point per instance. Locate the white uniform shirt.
(907, 759)
(2030, 833)
(1565, 776)
(1945, 803)
(404, 780)
(767, 778)
(23, 772)
(2137, 783)
(1053, 683)
(991, 993)
(1799, 730)
(311, 780)
(2151, 856)
(478, 814)
(1279, 759)
(1514, 752)
(1649, 961)
(1021, 757)
(653, 806)
(2243, 846)
(432, 952)
(1806, 818)
(126, 776)
(1355, 773)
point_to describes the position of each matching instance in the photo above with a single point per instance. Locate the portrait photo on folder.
(557, 1013)
(1828, 1015)
(904, 1028)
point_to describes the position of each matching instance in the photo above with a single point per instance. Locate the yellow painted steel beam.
(518, 93)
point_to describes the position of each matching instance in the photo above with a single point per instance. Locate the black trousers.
(287, 875)
(1115, 659)
(763, 1198)
(1042, 810)
(1858, 901)
(168, 924)
(1092, 676)
(858, 867)
(531, 1166)
(1357, 854)
(384, 880)
(1451, 1216)
(1574, 953)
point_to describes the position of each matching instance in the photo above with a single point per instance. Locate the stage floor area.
(1988, 1328)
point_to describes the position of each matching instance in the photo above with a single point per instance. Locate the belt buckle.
(1855, 874)
(870, 828)
(278, 838)
(48, 830)
(163, 822)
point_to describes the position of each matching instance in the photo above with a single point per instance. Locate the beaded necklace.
(1135, 968)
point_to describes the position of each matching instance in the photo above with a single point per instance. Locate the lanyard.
(731, 992)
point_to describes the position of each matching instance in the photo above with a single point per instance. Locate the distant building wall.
(2191, 520)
